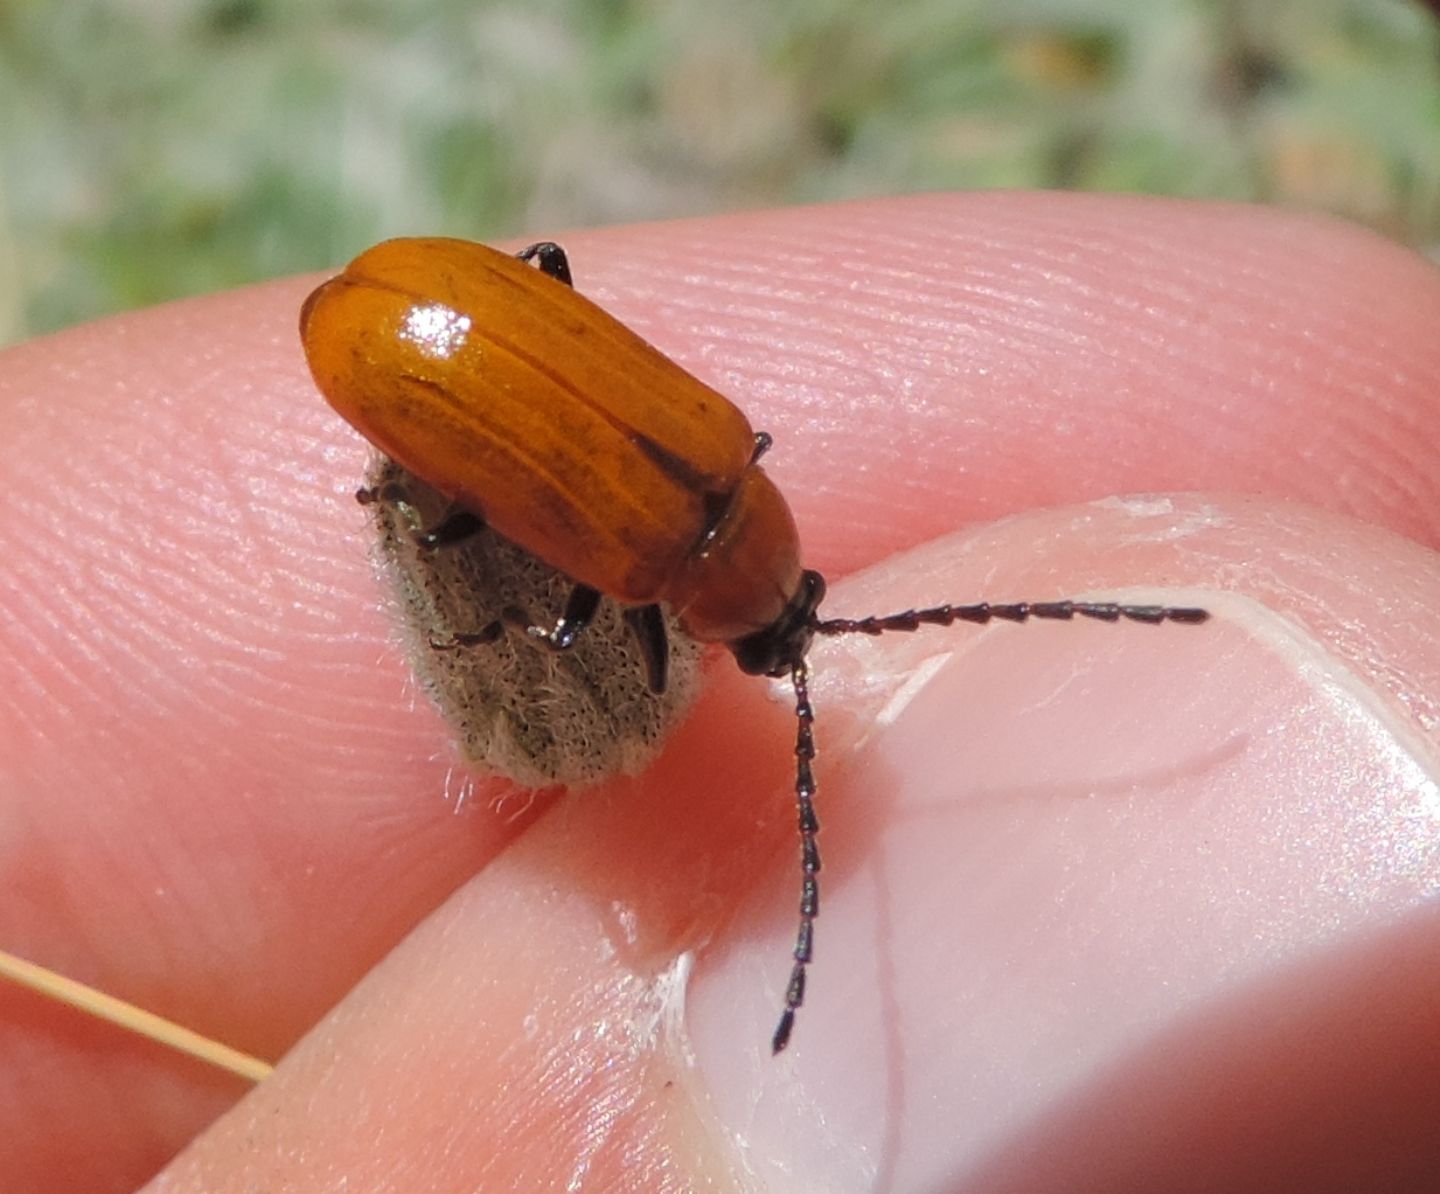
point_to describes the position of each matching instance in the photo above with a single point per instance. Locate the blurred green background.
(157, 148)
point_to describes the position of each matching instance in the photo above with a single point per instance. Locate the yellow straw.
(127, 1015)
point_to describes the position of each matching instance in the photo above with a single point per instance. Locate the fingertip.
(1045, 844)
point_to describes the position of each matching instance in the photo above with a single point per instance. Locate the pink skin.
(1104, 908)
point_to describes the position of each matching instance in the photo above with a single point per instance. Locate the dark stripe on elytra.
(675, 467)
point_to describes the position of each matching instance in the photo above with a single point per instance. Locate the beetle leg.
(551, 259)
(456, 525)
(647, 624)
(390, 493)
(763, 440)
(579, 611)
(472, 638)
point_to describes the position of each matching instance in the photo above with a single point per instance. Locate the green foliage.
(155, 148)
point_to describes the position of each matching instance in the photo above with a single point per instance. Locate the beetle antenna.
(809, 852)
(1018, 611)
(910, 619)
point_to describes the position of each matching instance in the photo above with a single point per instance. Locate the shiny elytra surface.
(515, 395)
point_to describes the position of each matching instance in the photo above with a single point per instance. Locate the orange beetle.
(546, 419)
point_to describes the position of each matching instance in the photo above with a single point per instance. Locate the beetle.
(541, 416)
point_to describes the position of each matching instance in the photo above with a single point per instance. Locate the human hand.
(1104, 907)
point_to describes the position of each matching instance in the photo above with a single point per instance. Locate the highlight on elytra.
(547, 422)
